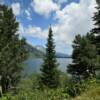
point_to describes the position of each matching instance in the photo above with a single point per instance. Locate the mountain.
(39, 52)
(40, 48)
(62, 55)
(58, 54)
(34, 52)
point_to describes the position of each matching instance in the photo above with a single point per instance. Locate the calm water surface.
(33, 65)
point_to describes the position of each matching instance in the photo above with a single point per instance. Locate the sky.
(66, 17)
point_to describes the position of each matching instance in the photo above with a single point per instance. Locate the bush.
(29, 90)
(75, 89)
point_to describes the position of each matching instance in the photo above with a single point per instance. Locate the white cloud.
(28, 14)
(75, 18)
(36, 32)
(21, 29)
(16, 8)
(44, 7)
(61, 1)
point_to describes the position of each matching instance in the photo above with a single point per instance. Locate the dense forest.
(80, 82)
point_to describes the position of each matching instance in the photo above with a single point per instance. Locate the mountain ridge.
(39, 52)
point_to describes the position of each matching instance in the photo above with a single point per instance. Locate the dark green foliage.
(74, 89)
(96, 30)
(12, 50)
(50, 74)
(86, 53)
(28, 90)
(84, 58)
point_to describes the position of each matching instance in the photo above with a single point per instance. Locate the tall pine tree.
(12, 50)
(49, 71)
(96, 30)
(84, 58)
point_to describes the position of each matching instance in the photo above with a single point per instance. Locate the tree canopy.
(49, 71)
(84, 57)
(12, 49)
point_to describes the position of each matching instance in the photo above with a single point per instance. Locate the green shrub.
(75, 89)
(28, 89)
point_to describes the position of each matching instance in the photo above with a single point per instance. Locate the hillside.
(34, 52)
(62, 55)
(58, 54)
(39, 52)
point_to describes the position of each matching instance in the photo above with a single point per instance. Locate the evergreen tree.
(84, 58)
(12, 50)
(50, 75)
(96, 31)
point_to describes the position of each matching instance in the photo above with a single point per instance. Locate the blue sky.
(67, 18)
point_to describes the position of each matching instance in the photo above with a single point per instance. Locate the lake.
(33, 65)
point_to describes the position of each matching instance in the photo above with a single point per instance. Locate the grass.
(91, 93)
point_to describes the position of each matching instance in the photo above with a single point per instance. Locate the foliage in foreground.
(29, 90)
(91, 93)
(38, 95)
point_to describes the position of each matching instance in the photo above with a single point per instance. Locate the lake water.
(33, 65)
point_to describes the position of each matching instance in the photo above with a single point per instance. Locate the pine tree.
(12, 50)
(49, 71)
(96, 31)
(84, 58)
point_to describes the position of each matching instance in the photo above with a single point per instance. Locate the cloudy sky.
(67, 18)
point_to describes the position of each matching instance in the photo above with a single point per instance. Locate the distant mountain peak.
(41, 48)
(39, 51)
